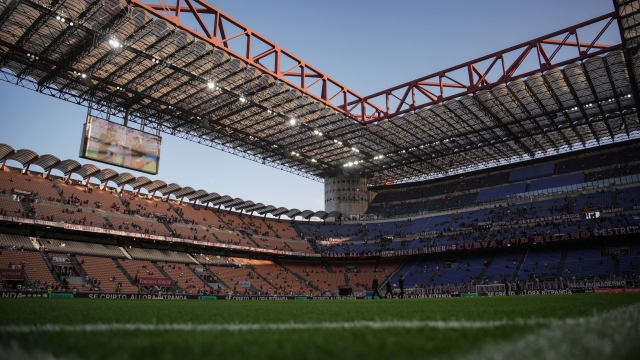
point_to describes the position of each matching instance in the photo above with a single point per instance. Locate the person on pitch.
(389, 290)
(375, 285)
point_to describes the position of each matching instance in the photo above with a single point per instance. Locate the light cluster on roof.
(124, 61)
(48, 162)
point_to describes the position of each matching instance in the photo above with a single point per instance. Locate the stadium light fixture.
(211, 85)
(114, 43)
(292, 121)
(242, 99)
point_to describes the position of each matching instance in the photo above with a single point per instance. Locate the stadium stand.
(69, 215)
(10, 241)
(184, 277)
(159, 255)
(233, 238)
(32, 263)
(138, 268)
(137, 224)
(80, 248)
(321, 276)
(104, 275)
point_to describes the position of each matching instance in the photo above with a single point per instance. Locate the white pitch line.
(453, 324)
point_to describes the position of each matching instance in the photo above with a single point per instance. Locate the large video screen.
(118, 145)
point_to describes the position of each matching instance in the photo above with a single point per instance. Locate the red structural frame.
(468, 77)
(301, 76)
(435, 88)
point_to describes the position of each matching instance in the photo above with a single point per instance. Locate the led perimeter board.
(118, 145)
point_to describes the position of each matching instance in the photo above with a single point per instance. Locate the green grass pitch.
(547, 326)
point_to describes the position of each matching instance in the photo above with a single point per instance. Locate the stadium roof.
(26, 157)
(138, 61)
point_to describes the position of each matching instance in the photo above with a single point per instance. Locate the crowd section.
(73, 202)
(493, 222)
(437, 195)
(529, 265)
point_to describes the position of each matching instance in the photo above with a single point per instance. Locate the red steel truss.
(220, 29)
(468, 77)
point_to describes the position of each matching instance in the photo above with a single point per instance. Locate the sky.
(367, 46)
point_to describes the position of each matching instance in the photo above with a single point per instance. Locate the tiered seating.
(138, 268)
(44, 189)
(103, 270)
(31, 262)
(272, 244)
(147, 207)
(628, 198)
(235, 221)
(10, 180)
(502, 266)
(232, 275)
(280, 281)
(137, 224)
(108, 199)
(298, 246)
(364, 277)
(540, 263)
(602, 199)
(283, 229)
(70, 215)
(417, 271)
(160, 255)
(207, 259)
(466, 270)
(234, 238)
(184, 277)
(9, 241)
(201, 216)
(316, 273)
(80, 248)
(587, 262)
(9, 207)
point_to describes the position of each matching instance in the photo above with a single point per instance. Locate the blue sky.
(366, 45)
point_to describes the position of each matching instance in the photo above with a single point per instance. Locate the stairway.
(175, 288)
(433, 275)
(346, 279)
(309, 283)
(563, 258)
(26, 208)
(81, 271)
(109, 223)
(483, 272)
(123, 202)
(328, 268)
(124, 272)
(50, 266)
(169, 229)
(126, 254)
(516, 273)
(59, 190)
(245, 233)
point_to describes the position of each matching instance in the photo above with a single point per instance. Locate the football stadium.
(487, 210)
